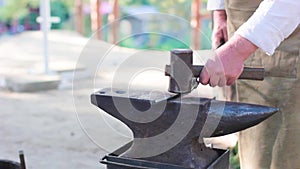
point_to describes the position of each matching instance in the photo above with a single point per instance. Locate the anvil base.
(114, 161)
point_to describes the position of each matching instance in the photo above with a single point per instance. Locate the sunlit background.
(86, 16)
(44, 109)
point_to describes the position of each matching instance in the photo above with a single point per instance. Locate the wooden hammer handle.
(248, 73)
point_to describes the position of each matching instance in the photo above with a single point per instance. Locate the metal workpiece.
(171, 131)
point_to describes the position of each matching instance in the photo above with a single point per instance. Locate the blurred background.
(86, 16)
(55, 53)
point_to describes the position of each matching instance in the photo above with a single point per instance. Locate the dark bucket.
(6, 164)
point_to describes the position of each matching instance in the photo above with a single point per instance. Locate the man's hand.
(219, 33)
(227, 63)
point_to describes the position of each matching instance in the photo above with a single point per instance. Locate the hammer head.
(181, 75)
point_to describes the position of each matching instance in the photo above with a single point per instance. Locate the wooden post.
(115, 22)
(96, 18)
(196, 24)
(79, 16)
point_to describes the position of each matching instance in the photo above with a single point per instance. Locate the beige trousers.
(274, 143)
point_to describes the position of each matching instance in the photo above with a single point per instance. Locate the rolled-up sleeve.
(215, 5)
(272, 22)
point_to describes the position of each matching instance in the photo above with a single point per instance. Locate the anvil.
(171, 131)
(169, 127)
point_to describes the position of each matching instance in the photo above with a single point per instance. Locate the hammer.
(184, 75)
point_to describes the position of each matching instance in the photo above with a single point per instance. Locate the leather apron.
(274, 143)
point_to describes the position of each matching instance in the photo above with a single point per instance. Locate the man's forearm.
(272, 22)
(242, 46)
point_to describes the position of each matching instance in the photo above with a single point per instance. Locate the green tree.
(15, 9)
(18, 10)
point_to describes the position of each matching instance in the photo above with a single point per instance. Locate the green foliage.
(153, 42)
(87, 26)
(134, 2)
(59, 9)
(15, 9)
(18, 10)
(30, 19)
(234, 158)
(180, 8)
(68, 3)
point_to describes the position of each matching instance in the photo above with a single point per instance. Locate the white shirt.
(271, 23)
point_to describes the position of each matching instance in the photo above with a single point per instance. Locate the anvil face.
(171, 131)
